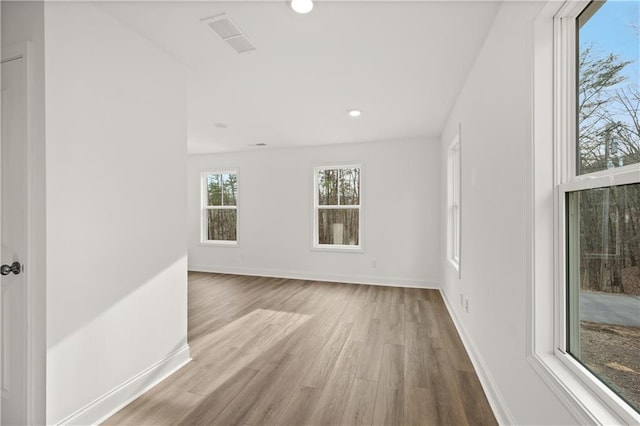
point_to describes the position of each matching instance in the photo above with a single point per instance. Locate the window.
(599, 206)
(337, 213)
(556, 186)
(220, 207)
(453, 203)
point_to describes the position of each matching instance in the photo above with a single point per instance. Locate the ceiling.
(401, 63)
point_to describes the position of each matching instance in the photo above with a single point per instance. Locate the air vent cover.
(225, 28)
(229, 32)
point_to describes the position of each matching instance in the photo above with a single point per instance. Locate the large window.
(220, 207)
(337, 215)
(599, 190)
(453, 203)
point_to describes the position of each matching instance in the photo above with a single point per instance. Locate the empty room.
(320, 212)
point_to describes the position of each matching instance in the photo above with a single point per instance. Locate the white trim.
(572, 393)
(113, 401)
(310, 276)
(491, 390)
(340, 207)
(1, 315)
(34, 269)
(14, 51)
(565, 87)
(605, 178)
(36, 255)
(338, 248)
(219, 243)
(17, 55)
(220, 207)
(455, 265)
(597, 387)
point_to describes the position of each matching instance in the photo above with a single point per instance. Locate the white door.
(13, 297)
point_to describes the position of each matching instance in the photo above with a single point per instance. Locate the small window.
(601, 192)
(220, 207)
(337, 213)
(453, 203)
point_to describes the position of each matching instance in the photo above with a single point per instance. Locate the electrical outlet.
(242, 257)
(374, 264)
(466, 305)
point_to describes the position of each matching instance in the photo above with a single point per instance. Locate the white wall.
(494, 110)
(400, 211)
(116, 212)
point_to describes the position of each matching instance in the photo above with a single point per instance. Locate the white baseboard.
(116, 399)
(348, 279)
(496, 401)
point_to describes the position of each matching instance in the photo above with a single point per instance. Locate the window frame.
(454, 208)
(204, 207)
(552, 174)
(316, 207)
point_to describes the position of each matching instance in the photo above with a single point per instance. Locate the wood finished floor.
(272, 351)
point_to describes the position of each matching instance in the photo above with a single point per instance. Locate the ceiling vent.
(229, 32)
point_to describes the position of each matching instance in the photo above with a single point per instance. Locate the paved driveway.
(610, 308)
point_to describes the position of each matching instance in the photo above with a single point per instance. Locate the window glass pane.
(453, 203)
(222, 189)
(608, 86)
(221, 224)
(338, 226)
(230, 189)
(350, 187)
(328, 187)
(604, 285)
(214, 190)
(455, 237)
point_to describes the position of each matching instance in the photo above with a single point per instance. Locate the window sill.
(590, 401)
(231, 244)
(338, 249)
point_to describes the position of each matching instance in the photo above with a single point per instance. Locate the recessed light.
(302, 6)
(355, 112)
(221, 125)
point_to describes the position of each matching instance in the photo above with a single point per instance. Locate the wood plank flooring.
(272, 351)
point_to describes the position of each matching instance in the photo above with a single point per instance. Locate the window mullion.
(221, 207)
(573, 285)
(337, 207)
(339, 176)
(566, 100)
(222, 189)
(623, 176)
